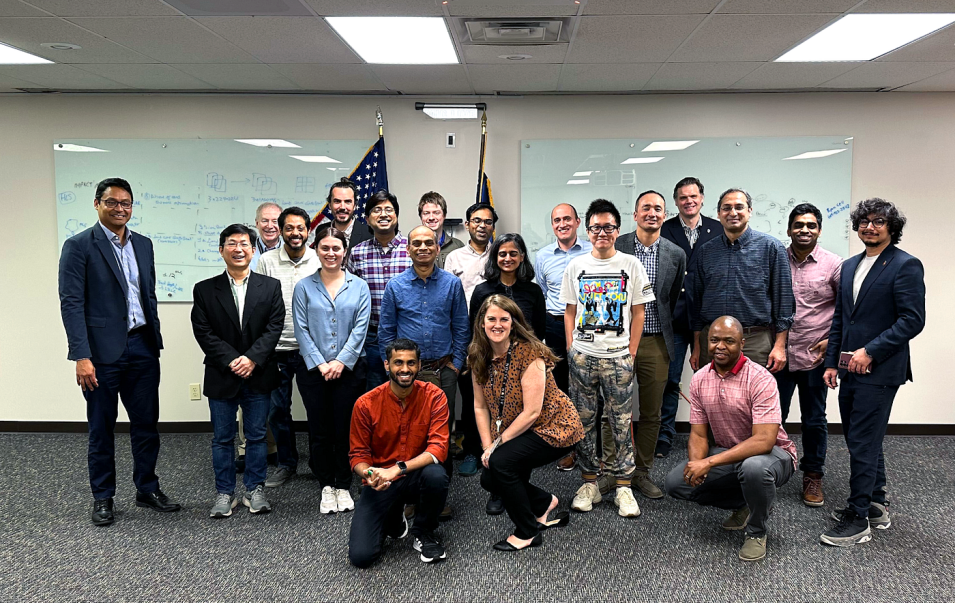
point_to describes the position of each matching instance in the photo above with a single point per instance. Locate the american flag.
(369, 176)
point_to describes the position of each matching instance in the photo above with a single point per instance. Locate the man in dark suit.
(665, 264)
(342, 202)
(880, 307)
(237, 318)
(107, 284)
(689, 230)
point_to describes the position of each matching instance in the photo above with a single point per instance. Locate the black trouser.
(812, 407)
(426, 488)
(328, 405)
(508, 476)
(557, 342)
(472, 439)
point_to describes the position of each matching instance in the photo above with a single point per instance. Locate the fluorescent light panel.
(268, 142)
(451, 112)
(314, 158)
(863, 37)
(585, 181)
(669, 145)
(397, 40)
(77, 148)
(14, 56)
(583, 173)
(641, 160)
(815, 154)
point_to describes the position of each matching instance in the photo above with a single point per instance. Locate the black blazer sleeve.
(72, 286)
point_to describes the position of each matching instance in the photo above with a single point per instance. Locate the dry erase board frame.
(187, 190)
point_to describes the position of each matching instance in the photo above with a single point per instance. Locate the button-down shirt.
(126, 258)
(748, 279)
(549, 270)
(383, 433)
(747, 395)
(468, 265)
(431, 312)
(260, 249)
(377, 265)
(238, 293)
(329, 329)
(279, 265)
(650, 258)
(815, 284)
(692, 234)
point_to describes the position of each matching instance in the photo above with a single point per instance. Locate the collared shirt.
(377, 265)
(692, 234)
(383, 433)
(289, 272)
(238, 293)
(126, 258)
(468, 265)
(329, 329)
(430, 312)
(260, 249)
(815, 284)
(747, 395)
(650, 258)
(748, 279)
(549, 269)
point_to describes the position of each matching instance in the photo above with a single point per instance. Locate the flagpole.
(381, 122)
(483, 146)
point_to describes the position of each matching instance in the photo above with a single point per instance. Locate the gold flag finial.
(381, 122)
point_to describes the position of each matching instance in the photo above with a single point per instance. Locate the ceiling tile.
(8, 83)
(59, 77)
(943, 82)
(331, 78)
(230, 76)
(649, 7)
(792, 76)
(748, 37)
(424, 79)
(486, 10)
(105, 8)
(886, 75)
(906, 6)
(791, 7)
(168, 39)
(387, 8)
(514, 78)
(491, 54)
(699, 76)
(15, 8)
(606, 78)
(283, 39)
(939, 46)
(630, 39)
(28, 33)
(149, 77)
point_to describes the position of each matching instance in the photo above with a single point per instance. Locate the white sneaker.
(587, 496)
(626, 504)
(329, 501)
(345, 503)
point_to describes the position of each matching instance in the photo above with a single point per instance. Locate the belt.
(137, 331)
(559, 317)
(751, 330)
(432, 365)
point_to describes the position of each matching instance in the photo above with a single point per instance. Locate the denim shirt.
(329, 330)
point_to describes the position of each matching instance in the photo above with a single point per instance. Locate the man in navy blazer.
(880, 307)
(689, 230)
(107, 284)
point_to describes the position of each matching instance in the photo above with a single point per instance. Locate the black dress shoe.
(562, 519)
(156, 501)
(272, 460)
(103, 512)
(506, 546)
(663, 450)
(494, 506)
(240, 464)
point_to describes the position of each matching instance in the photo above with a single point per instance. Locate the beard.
(394, 379)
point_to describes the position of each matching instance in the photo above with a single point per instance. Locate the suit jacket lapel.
(142, 262)
(875, 272)
(252, 294)
(227, 300)
(664, 267)
(106, 248)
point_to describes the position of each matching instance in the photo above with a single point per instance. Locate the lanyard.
(500, 398)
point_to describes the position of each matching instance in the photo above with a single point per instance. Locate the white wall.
(903, 150)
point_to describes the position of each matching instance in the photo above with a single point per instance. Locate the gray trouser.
(751, 483)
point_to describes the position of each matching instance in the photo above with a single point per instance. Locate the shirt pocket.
(812, 289)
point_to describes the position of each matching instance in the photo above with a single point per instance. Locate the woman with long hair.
(508, 272)
(523, 419)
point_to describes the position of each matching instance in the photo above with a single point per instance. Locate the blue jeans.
(222, 411)
(812, 406)
(280, 411)
(376, 367)
(671, 394)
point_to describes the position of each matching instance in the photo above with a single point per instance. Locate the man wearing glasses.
(467, 263)
(604, 292)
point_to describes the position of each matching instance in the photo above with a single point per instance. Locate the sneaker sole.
(219, 515)
(813, 504)
(736, 528)
(434, 559)
(103, 522)
(748, 559)
(881, 526)
(623, 513)
(846, 542)
(248, 504)
(328, 511)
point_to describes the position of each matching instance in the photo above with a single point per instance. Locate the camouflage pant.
(606, 382)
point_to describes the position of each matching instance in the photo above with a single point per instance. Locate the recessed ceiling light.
(61, 46)
(583, 173)
(14, 56)
(397, 40)
(77, 148)
(514, 57)
(641, 160)
(815, 154)
(866, 37)
(587, 181)
(268, 142)
(314, 158)
(669, 145)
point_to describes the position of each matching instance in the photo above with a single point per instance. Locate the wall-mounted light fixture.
(451, 110)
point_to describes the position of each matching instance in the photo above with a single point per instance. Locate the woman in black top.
(508, 273)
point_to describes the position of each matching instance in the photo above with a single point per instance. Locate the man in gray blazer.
(665, 264)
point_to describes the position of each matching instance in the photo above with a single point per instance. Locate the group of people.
(576, 359)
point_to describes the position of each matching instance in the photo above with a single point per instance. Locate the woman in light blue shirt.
(330, 312)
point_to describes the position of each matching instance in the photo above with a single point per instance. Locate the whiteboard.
(186, 191)
(762, 166)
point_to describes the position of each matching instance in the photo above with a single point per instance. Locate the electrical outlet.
(195, 391)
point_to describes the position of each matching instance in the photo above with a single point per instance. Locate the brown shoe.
(812, 489)
(568, 462)
(447, 514)
(409, 511)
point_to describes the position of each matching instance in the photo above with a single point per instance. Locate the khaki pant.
(652, 370)
(757, 347)
(269, 438)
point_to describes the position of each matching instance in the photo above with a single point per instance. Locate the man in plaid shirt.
(738, 399)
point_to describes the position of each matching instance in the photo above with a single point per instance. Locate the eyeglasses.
(878, 222)
(112, 203)
(234, 245)
(479, 221)
(377, 211)
(607, 228)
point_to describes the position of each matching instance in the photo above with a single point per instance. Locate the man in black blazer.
(880, 307)
(107, 285)
(689, 230)
(237, 318)
(342, 202)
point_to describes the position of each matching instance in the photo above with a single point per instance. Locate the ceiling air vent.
(513, 32)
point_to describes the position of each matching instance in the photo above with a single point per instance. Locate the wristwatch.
(403, 466)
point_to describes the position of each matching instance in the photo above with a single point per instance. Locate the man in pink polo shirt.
(738, 399)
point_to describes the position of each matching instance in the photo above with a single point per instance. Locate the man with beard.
(289, 264)
(399, 438)
(341, 203)
(432, 210)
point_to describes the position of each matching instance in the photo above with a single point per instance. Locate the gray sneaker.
(279, 477)
(223, 506)
(878, 515)
(256, 501)
(641, 481)
(737, 521)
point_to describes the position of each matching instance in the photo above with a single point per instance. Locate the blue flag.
(369, 176)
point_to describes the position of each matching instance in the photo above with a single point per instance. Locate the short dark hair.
(434, 198)
(749, 198)
(894, 219)
(379, 198)
(602, 206)
(689, 180)
(805, 208)
(117, 182)
(649, 192)
(294, 211)
(478, 206)
(327, 230)
(234, 229)
(343, 183)
(492, 272)
(402, 344)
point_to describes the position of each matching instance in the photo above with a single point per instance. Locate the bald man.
(738, 399)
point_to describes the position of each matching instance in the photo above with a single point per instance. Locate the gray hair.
(749, 198)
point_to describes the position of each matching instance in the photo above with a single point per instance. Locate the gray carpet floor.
(673, 552)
